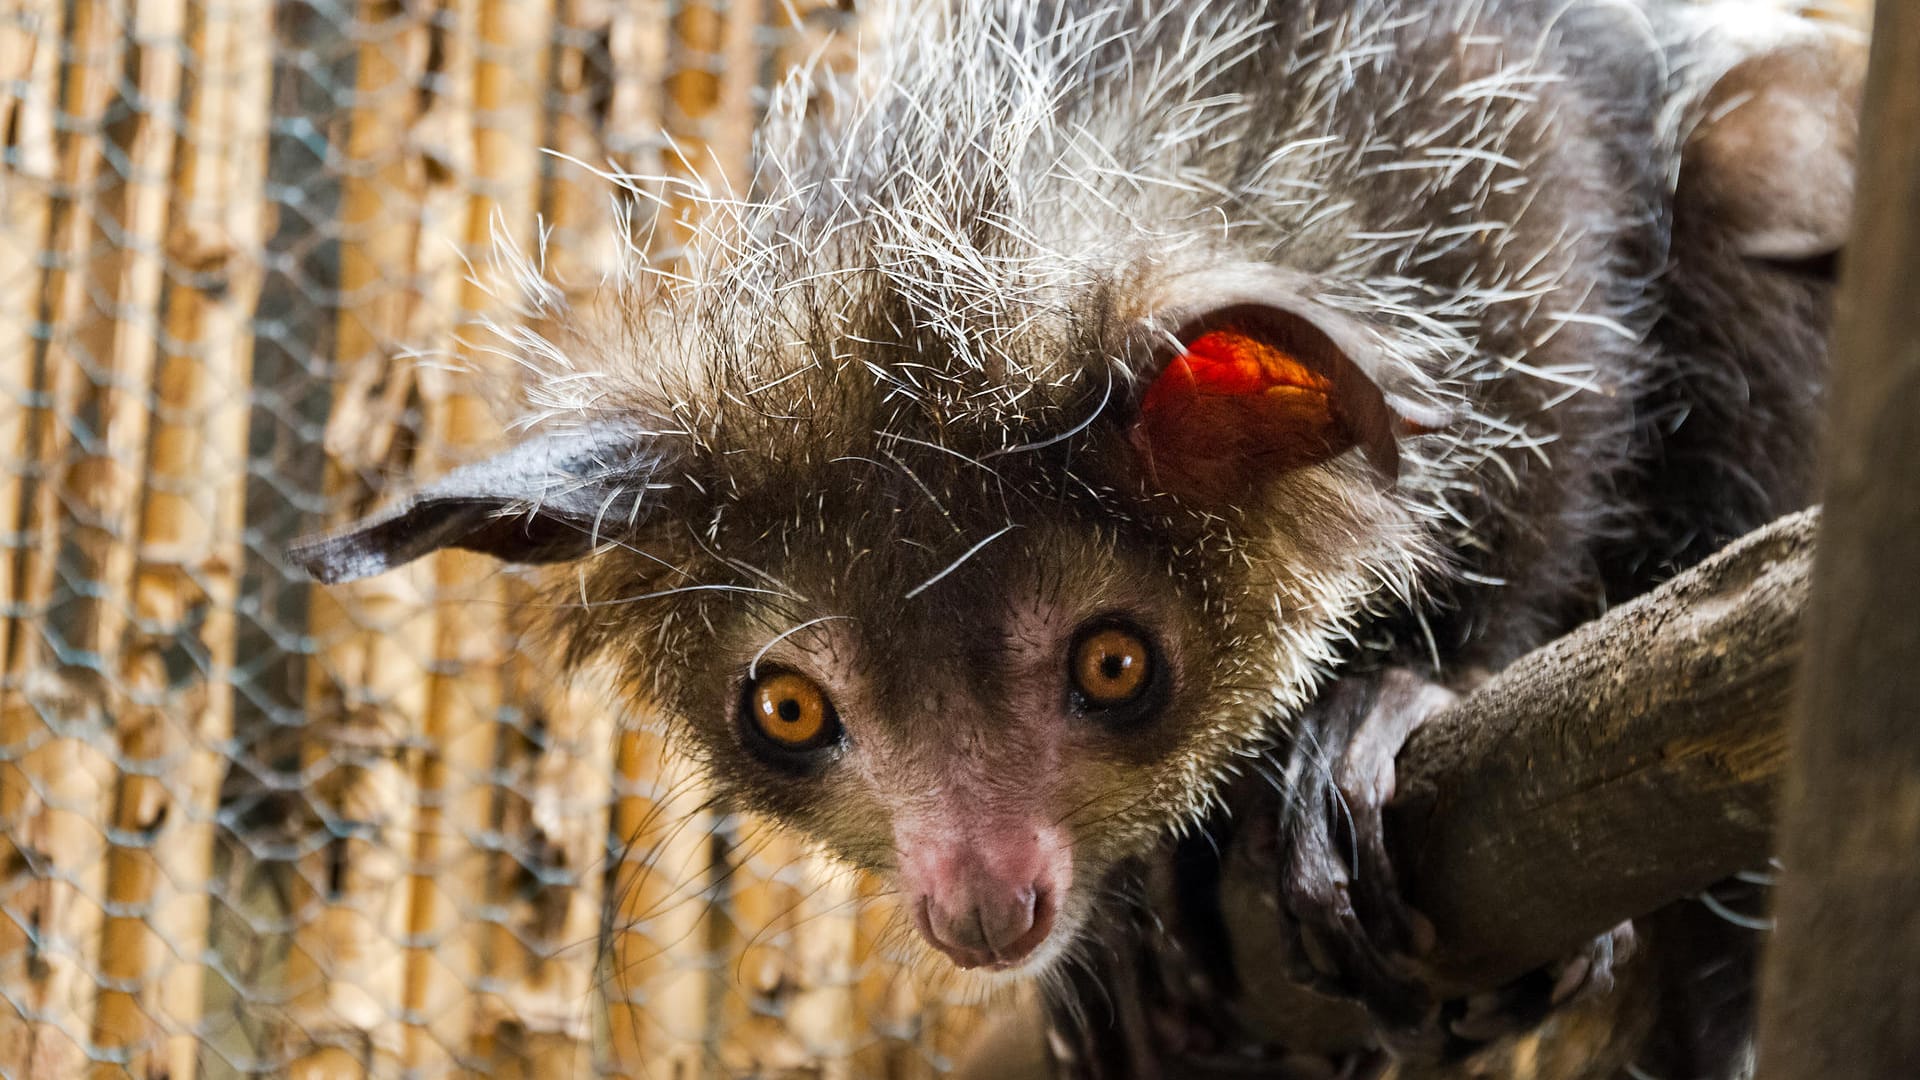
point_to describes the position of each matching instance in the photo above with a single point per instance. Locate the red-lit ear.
(1249, 391)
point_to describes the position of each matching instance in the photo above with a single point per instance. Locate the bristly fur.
(897, 373)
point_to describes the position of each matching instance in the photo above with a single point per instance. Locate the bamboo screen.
(250, 827)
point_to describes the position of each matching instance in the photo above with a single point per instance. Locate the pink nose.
(992, 932)
(987, 900)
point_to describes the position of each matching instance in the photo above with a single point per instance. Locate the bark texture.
(1626, 765)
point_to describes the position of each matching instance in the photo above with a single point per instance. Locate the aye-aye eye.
(787, 717)
(1114, 672)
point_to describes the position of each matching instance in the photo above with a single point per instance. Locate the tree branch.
(1628, 764)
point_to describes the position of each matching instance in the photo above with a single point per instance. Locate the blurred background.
(252, 827)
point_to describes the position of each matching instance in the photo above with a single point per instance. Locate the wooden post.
(1840, 998)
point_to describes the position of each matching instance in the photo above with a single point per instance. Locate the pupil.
(1112, 666)
(789, 710)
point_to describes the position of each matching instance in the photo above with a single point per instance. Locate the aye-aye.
(1086, 385)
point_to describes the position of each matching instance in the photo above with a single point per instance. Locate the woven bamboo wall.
(251, 827)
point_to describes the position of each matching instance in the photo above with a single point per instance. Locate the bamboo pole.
(730, 124)
(820, 33)
(657, 982)
(557, 788)
(56, 720)
(29, 60)
(653, 984)
(637, 42)
(884, 993)
(505, 119)
(788, 984)
(186, 578)
(123, 1030)
(116, 329)
(453, 743)
(544, 947)
(368, 687)
(786, 963)
(56, 886)
(638, 47)
(908, 1032)
(714, 66)
(862, 1007)
(823, 1010)
(947, 1025)
(576, 204)
(753, 939)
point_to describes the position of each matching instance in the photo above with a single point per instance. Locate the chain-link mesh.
(254, 827)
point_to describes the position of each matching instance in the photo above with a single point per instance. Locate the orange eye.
(791, 712)
(1111, 666)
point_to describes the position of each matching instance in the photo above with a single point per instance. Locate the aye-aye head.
(988, 636)
(985, 492)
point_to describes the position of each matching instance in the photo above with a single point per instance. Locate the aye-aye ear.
(1769, 152)
(1252, 381)
(550, 498)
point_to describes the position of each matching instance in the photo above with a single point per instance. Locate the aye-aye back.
(1085, 383)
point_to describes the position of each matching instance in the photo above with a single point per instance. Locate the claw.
(1357, 936)
(1591, 972)
(1573, 976)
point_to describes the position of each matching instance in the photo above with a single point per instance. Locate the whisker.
(955, 565)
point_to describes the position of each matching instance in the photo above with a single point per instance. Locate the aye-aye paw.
(1358, 936)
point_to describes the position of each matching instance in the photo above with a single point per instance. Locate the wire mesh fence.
(249, 827)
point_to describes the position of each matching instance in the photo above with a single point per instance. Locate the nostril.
(987, 934)
(1044, 909)
(1004, 936)
(1023, 933)
(960, 938)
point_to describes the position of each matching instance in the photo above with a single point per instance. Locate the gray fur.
(893, 386)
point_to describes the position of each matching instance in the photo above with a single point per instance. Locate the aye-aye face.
(986, 662)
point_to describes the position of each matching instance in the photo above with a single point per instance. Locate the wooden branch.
(1633, 762)
(1839, 997)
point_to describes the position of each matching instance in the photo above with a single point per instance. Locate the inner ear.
(1248, 391)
